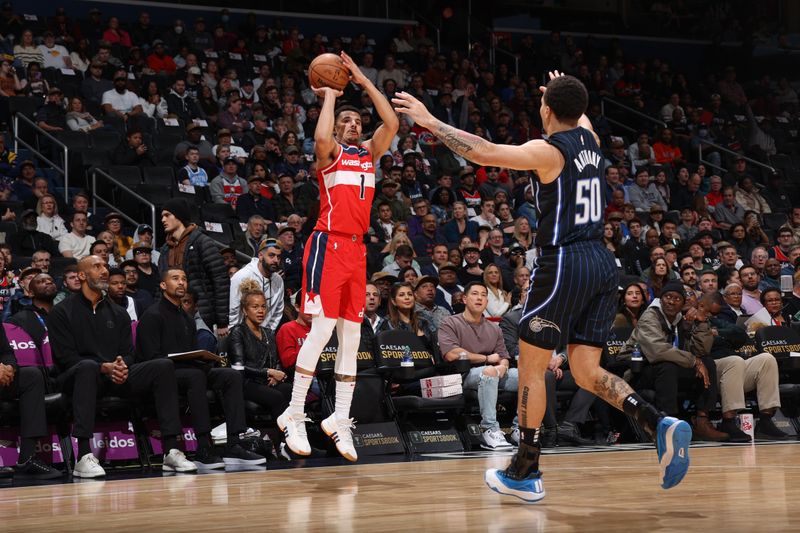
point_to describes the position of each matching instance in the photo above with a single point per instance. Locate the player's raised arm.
(324, 142)
(533, 155)
(382, 138)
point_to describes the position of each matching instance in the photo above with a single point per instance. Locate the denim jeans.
(487, 387)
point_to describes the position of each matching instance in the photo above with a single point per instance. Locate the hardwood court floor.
(730, 489)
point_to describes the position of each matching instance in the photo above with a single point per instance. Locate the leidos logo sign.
(113, 442)
(22, 345)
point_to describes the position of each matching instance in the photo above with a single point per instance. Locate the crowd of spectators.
(439, 224)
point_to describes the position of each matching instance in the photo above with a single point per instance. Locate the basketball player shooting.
(334, 264)
(574, 282)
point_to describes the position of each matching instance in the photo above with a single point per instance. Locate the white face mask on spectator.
(178, 29)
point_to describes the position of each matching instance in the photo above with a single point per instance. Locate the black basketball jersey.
(571, 207)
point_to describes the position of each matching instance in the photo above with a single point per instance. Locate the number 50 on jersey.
(588, 201)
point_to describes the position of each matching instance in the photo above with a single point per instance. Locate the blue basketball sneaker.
(522, 478)
(672, 443)
(529, 489)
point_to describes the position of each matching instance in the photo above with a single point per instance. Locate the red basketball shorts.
(335, 276)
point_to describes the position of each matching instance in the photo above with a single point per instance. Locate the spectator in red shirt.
(290, 338)
(666, 152)
(714, 195)
(159, 61)
(114, 34)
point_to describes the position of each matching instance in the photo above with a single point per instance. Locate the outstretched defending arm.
(382, 138)
(533, 155)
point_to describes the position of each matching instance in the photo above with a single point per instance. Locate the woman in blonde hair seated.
(397, 240)
(252, 349)
(49, 221)
(499, 300)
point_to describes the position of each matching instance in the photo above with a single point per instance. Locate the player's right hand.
(323, 92)
(553, 75)
(358, 77)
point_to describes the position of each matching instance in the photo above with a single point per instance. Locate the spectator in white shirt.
(673, 104)
(49, 221)
(367, 69)
(77, 243)
(487, 217)
(499, 301)
(54, 55)
(391, 72)
(121, 104)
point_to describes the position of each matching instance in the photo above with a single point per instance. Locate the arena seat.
(156, 193)
(222, 213)
(7, 231)
(127, 175)
(773, 221)
(104, 141)
(58, 264)
(371, 409)
(161, 176)
(77, 141)
(414, 413)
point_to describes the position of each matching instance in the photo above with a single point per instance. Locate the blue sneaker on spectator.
(672, 443)
(529, 489)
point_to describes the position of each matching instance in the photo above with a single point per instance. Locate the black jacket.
(256, 355)
(185, 108)
(164, 329)
(78, 332)
(729, 338)
(248, 205)
(26, 242)
(7, 356)
(206, 274)
(127, 156)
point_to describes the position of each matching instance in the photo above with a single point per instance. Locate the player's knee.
(583, 377)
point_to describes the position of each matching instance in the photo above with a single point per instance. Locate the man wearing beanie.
(188, 249)
(676, 349)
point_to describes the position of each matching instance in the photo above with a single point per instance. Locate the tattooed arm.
(533, 155)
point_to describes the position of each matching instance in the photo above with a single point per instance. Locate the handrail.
(107, 203)
(495, 49)
(629, 110)
(731, 152)
(17, 139)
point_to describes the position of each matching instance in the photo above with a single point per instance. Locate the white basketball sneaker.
(175, 461)
(341, 431)
(88, 467)
(293, 426)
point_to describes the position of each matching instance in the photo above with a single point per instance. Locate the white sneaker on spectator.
(88, 467)
(494, 439)
(341, 431)
(515, 436)
(175, 461)
(293, 426)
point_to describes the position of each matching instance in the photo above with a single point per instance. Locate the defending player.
(334, 265)
(574, 282)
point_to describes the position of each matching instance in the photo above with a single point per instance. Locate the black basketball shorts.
(572, 298)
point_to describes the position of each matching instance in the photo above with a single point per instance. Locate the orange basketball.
(328, 70)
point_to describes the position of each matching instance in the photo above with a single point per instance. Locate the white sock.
(299, 392)
(344, 397)
(317, 338)
(349, 334)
